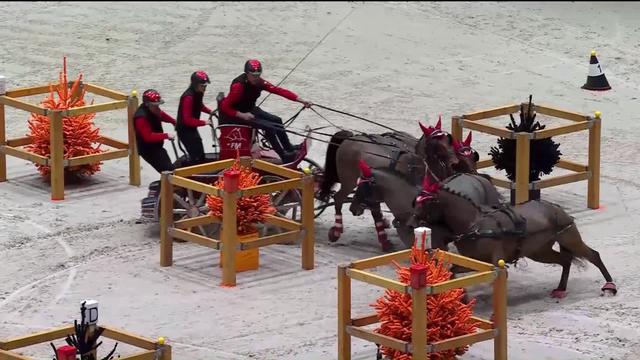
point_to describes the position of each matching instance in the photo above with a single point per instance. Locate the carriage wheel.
(190, 204)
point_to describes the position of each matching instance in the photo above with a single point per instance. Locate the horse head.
(436, 148)
(366, 197)
(425, 205)
(467, 156)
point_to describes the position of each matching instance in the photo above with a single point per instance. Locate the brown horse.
(488, 229)
(380, 184)
(396, 151)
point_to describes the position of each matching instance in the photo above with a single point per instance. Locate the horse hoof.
(558, 294)
(334, 234)
(609, 289)
(387, 246)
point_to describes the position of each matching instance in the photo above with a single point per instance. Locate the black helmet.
(200, 77)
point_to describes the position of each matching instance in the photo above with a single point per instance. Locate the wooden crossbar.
(490, 113)
(194, 238)
(24, 154)
(95, 158)
(103, 91)
(21, 141)
(39, 337)
(383, 340)
(458, 341)
(276, 169)
(113, 105)
(465, 281)
(381, 260)
(377, 280)
(22, 105)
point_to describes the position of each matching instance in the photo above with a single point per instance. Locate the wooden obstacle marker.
(420, 347)
(153, 350)
(589, 172)
(13, 147)
(229, 243)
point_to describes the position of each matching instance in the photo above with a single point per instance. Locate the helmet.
(152, 97)
(200, 77)
(253, 67)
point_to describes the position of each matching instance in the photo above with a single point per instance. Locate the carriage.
(233, 140)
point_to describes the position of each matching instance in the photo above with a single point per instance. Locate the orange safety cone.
(596, 80)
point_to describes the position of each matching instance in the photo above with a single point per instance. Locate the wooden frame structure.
(420, 347)
(589, 172)
(228, 244)
(56, 161)
(153, 350)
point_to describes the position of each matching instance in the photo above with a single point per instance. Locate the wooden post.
(456, 128)
(166, 219)
(344, 313)
(308, 223)
(164, 349)
(56, 150)
(593, 184)
(419, 312)
(522, 167)
(3, 140)
(500, 313)
(229, 227)
(134, 159)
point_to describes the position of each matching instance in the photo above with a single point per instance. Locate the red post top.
(231, 180)
(418, 276)
(66, 352)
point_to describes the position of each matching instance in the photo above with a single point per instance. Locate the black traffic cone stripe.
(596, 80)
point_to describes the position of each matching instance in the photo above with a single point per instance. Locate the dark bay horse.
(383, 185)
(397, 151)
(487, 228)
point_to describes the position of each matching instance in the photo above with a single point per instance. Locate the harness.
(413, 164)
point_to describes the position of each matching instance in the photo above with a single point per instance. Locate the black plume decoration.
(544, 153)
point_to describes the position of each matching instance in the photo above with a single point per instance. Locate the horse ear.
(439, 123)
(467, 141)
(426, 131)
(365, 169)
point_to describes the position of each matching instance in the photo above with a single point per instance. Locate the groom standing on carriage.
(239, 107)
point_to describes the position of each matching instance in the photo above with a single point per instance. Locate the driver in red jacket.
(239, 107)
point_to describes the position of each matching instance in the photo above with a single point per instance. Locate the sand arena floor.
(396, 63)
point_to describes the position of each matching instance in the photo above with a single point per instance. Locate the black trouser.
(192, 142)
(273, 131)
(159, 159)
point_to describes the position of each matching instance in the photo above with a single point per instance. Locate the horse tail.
(330, 175)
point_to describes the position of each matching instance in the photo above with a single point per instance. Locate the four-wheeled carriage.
(232, 140)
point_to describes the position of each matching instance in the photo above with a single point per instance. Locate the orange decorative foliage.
(447, 316)
(251, 209)
(78, 132)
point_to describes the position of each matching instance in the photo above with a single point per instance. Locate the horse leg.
(563, 258)
(337, 229)
(572, 241)
(378, 219)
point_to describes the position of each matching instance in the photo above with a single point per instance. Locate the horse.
(487, 228)
(394, 150)
(373, 189)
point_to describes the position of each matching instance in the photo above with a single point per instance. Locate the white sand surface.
(392, 62)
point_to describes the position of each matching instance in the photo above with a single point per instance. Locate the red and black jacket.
(243, 95)
(150, 135)
(189, 110)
